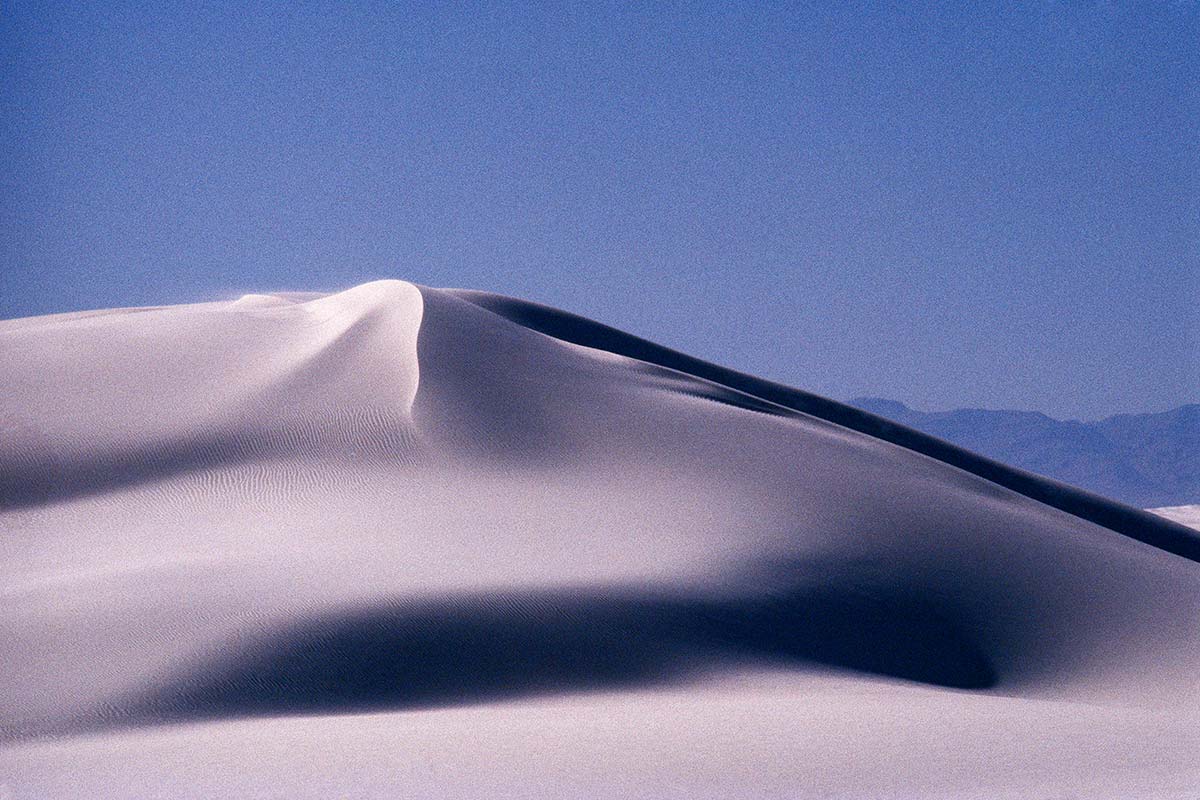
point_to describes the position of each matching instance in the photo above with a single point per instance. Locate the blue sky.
(949, 205)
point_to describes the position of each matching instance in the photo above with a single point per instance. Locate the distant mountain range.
(1144, 460)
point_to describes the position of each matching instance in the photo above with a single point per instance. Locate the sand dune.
(1184, 515)
(400, 541)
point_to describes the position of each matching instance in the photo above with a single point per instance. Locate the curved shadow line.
(503, 645)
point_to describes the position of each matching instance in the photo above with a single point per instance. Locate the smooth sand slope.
(1184, 515)
(401, 541)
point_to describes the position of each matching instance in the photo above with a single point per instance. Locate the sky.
(948, 205)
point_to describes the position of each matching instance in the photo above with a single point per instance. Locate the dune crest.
(369, 520)
(100, 402)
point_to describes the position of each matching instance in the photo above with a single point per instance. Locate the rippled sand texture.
(401, 541)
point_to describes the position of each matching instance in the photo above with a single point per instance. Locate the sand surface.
(1185, 515)
(399, 541)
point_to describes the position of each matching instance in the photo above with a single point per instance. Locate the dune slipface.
(401, 541)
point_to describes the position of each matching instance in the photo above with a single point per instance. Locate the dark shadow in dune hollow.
(492, 647)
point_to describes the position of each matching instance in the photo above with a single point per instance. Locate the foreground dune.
(399, 541)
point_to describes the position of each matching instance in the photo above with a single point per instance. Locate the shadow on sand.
(496, 646)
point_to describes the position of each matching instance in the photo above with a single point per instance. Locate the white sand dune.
(400, 542)
(1184, 515)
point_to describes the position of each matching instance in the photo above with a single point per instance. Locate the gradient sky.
(945, 205)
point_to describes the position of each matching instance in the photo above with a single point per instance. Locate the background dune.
(418, 541)
(1184, 515)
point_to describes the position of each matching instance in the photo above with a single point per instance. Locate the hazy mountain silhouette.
(1145, 460)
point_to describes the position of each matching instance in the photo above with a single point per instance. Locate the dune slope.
(443, 543)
